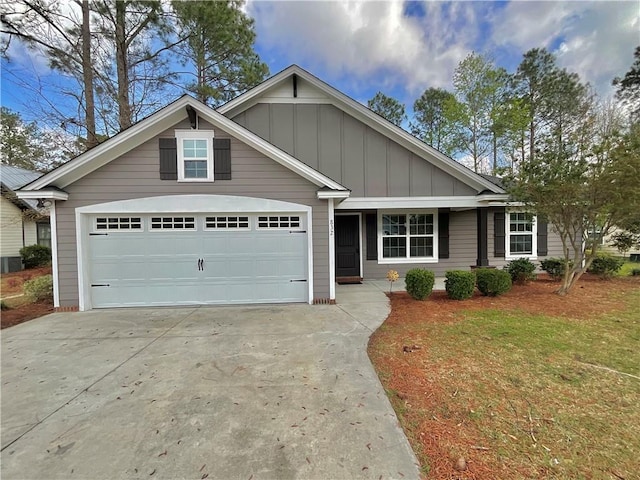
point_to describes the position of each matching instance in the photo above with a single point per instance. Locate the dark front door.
(347, 246)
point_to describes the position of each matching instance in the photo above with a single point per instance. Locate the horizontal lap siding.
(10, 229)
(136, 175)
(462, 250)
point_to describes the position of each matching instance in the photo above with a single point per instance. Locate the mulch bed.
(416, 386)
(23, 313)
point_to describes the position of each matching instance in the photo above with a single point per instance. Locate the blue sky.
(402, 48)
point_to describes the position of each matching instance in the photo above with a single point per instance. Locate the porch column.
(482, 232)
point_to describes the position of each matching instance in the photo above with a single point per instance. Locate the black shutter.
(542, 237)
(443, 233)
(498, 234)
(372, 236)
(168, 159)
(222, 159)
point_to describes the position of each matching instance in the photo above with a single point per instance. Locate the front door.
(347, 246)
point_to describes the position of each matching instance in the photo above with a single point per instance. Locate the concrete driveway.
(273, 392)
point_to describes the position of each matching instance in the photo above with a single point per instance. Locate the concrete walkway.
(278, 392)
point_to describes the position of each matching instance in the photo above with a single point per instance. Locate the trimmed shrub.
(635, 272)
(3, 306)
(521, 270)
(554, 267)
(419, 283)
(492, 282)
(40, 288)
(35, 256)
(460, 284)
(605, 266)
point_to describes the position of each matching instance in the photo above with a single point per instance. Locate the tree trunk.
(87, 77)
(495, 154)
(122, 67)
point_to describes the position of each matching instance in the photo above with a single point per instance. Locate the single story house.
(272, 197)
(22, 223)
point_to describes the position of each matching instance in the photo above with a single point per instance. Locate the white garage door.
(186, 259)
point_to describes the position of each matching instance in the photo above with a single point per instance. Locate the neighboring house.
(271, 198)
(21, 223)
(607, 245)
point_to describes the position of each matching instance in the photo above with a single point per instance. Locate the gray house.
(272, 197)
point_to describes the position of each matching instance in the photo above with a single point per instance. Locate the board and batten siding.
(348, 151)
(136, 175)
(462, 250)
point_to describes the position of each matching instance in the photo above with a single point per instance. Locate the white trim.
(332, 251)
(387, 261)
(180, 204)
(194, 204)
(507, 241)
(48, 194)
(371, 119)
(359, 215)
(181, 136)
(364, 203)
(160, 121)
(54, 254)
(325, 194)
(84, 289)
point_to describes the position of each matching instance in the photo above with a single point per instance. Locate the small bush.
(635, 272)
(3, 306)
(492, 282)
(521, 270)
(419, 283)
(460, 284)
(40, 288)
(605, 266)
(35, 256)
(554, 267)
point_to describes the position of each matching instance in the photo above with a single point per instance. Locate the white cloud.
(594, 39)
(375, 44)
(364, 39)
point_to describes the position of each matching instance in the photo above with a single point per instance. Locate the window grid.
(173, 223)
(521, 230)
(416, 240)
(226, 223)
(118, 223)
(280, 221)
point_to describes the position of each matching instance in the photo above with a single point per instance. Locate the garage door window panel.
(173, 223)
(118, 224)
(227, 223)
(279, 221)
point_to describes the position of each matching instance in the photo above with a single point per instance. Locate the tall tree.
(218, 48)
(135, 40)
(64, 36)
(23, 144)
(476, 84)
(533, 81)
(628, 87)
(388, 107)
(431, 123)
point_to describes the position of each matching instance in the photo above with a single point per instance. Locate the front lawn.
(527, 385)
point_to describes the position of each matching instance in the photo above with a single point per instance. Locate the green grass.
(628, 267)
(550, 397)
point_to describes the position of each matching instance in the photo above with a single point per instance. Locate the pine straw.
(417, 385)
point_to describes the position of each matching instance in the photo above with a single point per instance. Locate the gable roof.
(155, 124)
(368, 117)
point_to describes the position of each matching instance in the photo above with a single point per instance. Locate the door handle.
(200, 266)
